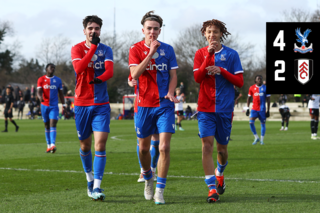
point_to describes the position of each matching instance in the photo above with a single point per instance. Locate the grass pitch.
(281, 176)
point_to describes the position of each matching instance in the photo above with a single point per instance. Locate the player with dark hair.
(154, 148)
(153, 64)
(8, 105)
(259, 95)
(285, 114)
(216, 68)
(48, 89)
(313, 106)
(93, 65)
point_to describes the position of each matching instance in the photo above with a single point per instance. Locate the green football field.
(281, 176)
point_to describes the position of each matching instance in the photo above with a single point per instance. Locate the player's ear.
(84, 31)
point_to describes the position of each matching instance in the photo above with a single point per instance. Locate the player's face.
(151, 30)
(213, 33)
(50, 70)
(178, 92)
(8, 90)
(259, 81)
(91, 28)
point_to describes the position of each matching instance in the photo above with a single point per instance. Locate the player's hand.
(132, 83)
(95, 39)
(154, 46)
(212, 46)
(9, 110)
(212, 70)
(235, 102)
(248, 112)
(41, 100)
(267, 114)
(96, 81)
(171, 98)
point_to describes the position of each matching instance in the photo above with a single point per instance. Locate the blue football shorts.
(258, 114)
(49, 112)
(92, 119)
(217, 124)
(154, 120)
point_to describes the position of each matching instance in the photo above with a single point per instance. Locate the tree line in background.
(15, 68)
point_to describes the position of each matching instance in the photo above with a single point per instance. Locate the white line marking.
(172, 176)
(115, 138)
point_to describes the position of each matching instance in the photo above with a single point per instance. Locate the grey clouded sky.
(34, 20)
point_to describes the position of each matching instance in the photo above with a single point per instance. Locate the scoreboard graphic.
(293, 57)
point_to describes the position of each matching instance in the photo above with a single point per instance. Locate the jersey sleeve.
(173, 60)
(75, 54)
(236, 64)
(108, 55)
(197, 61)
(250, 93)
(134, 58)
(39, 84)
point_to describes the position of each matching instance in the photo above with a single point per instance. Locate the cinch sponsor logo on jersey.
(258, 94)
(49, 87)
(97, 65)
(159, 67)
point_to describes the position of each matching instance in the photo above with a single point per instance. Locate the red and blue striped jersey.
(259, 96)
(91, 94)
(216, 92)
(50, 89)
(153, 84)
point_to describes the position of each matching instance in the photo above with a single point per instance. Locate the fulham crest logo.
(303, 70)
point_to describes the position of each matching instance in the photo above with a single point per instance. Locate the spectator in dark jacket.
(21, 105)
(27, 95)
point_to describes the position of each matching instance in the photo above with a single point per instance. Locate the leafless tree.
(54, 50)
(296, 15)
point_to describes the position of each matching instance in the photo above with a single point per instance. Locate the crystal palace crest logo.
(303, 40)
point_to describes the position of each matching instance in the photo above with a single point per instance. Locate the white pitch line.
(115, 137)
(172, 176)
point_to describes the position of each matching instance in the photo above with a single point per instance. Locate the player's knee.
(85, 147)
(164, 148)
(143, 150)
(207, 148)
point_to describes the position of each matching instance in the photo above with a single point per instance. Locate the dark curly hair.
(217, 23)
(90, 19)
(149, 16)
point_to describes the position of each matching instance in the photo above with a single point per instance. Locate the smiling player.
(216, 68)
(93, 64)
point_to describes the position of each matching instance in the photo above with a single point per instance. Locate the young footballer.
(48, 89)
(216, 68)
(93, 64)
(153, 64)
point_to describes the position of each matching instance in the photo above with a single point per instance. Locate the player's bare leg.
(163, 166)
(208, 167)
(179, 119)
(145, 159)
(207, 151)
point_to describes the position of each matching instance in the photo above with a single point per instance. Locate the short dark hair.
(149, 16)
(90, 19)
(257, 77)
(217, 23)
(50, 64)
